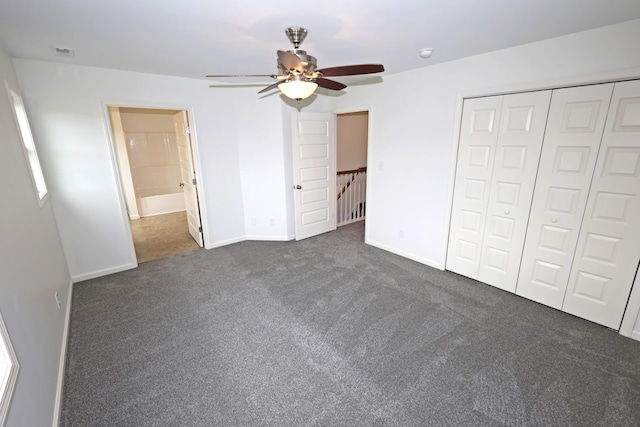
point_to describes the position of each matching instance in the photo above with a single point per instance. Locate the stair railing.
(352, 190)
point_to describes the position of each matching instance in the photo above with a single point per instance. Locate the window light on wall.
(27, 144)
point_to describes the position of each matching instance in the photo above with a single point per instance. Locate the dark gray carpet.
(329, 331)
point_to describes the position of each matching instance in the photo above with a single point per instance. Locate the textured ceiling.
(193, 38)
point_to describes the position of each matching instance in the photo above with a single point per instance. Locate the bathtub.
(150, 204)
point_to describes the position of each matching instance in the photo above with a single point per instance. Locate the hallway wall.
(32, 268)
(415, 119)
(68, 104)
(352, 131)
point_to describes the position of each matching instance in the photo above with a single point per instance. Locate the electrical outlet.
(272, 222)
(55, 294)
(401, 234)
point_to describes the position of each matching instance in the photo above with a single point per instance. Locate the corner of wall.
(57, 408)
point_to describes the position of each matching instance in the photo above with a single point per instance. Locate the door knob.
(554, 220)
(507, 212)
(298, 187)
(182, 184)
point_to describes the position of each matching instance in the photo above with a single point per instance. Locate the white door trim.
(596, 78)
(559, 83)
(309, 166)
(632, 312)
(369, 110)
(182, 123)
(132, 260)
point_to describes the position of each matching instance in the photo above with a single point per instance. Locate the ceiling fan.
(298, 75)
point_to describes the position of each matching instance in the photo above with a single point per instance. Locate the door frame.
(559, 83)
(116, 168)
(369, 110)
(632, 310)
(297, 201)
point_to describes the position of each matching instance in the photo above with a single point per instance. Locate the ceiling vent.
(65, 52)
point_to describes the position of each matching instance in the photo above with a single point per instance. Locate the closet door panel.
(476, 152)
(522, 125)
(609, 244)
(572, 139)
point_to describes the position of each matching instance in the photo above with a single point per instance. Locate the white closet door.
(572, 138)
(522, 126)
(609, 245)
(476, 152)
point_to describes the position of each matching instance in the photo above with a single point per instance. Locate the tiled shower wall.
(152, 151)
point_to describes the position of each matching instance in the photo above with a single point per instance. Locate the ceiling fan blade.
(270, 87)
(329, 84)
(351, 70)
(290, 62)
(242, 75)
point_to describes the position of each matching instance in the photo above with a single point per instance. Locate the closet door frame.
(608, 249)
(633, 307)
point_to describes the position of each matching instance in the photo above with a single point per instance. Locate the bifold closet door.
(476, 151)
(499, 149)
(572, 139)
(522, 126)
(608, 248)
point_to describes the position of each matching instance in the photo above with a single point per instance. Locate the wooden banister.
(364, 169)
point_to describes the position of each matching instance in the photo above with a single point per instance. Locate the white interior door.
(476, 151)
(188, 175)
(522, 126)
(574, 131)
(608, 248)
(314, 173)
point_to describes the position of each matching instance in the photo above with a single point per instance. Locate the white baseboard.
(57, 408)
(226, 242)
(104, 272)
(403, 254)
(277, 238)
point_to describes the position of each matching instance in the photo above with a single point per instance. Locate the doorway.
(352, 139)
(157, 171)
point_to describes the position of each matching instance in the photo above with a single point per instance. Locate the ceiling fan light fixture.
(298, 76)
(298, 89)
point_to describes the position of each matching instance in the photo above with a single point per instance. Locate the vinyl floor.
(160, 236)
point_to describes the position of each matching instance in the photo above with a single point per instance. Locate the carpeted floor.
(332, 332)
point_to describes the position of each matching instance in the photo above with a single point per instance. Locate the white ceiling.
(193, 38)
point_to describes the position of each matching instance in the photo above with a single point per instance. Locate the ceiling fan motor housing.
(309, 62)
(299, 70)
(296, 35)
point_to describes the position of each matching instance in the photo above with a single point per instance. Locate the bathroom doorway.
(157, 169)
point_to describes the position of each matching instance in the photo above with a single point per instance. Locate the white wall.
(414, 116)
(258, 121)
(32, 268)
(244, 143)
(67, 103)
